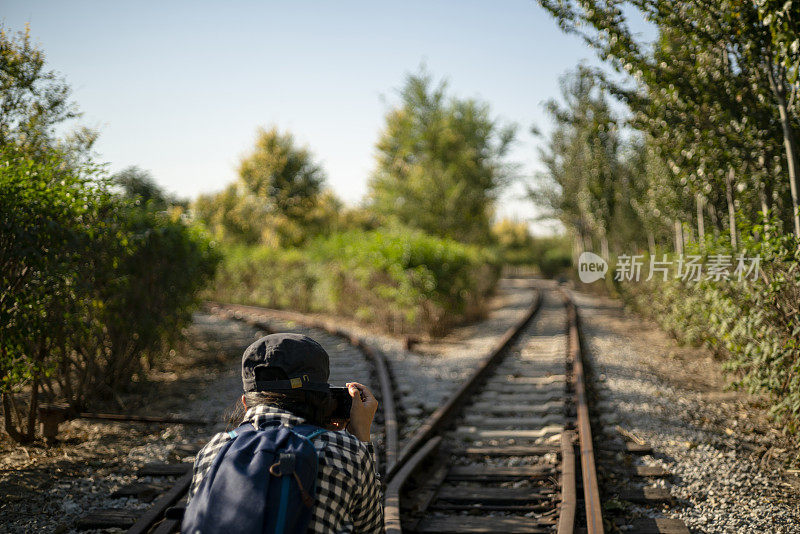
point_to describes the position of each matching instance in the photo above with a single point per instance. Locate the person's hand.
(362, 411)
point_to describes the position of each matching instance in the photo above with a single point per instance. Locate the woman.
(285, 380)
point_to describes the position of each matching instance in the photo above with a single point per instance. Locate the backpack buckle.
(284, 465)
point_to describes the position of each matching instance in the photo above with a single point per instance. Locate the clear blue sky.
(179, 88)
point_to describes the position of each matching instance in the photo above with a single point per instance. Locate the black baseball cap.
(303, 360)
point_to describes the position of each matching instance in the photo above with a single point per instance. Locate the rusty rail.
(53, 414)
(569, 492)
(154, 514)
(391, 509)
(424, 441)
(591, 491)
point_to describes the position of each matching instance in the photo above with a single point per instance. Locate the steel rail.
(591, 491)
(443, 415)
(391, 509)
(424, 441)
(143, 418)
(569, 492)
(156, 512)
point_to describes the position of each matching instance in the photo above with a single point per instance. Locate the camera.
(342, 401)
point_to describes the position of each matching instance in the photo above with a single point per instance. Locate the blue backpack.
(261, 481)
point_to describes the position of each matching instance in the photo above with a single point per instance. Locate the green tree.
(135, 295)
(47, 213)
(515, 241)
(282, 175)
(231, 215)
(139, 186)
(440, 162)
(726, 75)
(278, 200)
(33, 100)
(583, 177)
(92, 285)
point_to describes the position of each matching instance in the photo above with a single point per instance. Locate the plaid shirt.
(348, 487)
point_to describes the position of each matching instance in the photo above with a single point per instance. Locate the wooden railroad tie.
(658, 525)
(52, 415)
(165, 494)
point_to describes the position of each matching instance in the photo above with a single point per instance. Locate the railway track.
(500, 455)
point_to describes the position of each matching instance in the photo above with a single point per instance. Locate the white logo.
(591, 267)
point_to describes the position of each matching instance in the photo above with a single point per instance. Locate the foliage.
(290, 244)
(46, 216)
(514, 240)
(230, 216)
(712, 112)
(585, 173)
(92, 285)
(440, 163)
(139, 187)
(712, 95)
(277, 201)
(143, 282)
(753, 324)
(781, 18)
(282, 176)
(552, 255)
(32, 99)
(399, 279)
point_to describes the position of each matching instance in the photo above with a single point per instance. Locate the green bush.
(754, 325)
(550, 255)
(554, 261)
(400, 279)
(280, 278)
(144, 275)
(45, 217)
(91, 286)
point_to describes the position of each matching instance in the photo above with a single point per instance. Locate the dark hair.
(314, 406)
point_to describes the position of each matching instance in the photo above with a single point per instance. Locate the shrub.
(141, 285)
(554, 261)
(754, 325)
(400, 279)
(267, 276)
(45, 215)
(90, 284)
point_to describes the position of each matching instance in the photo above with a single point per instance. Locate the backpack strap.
(315, 434)
(286, 466)
(315, 431)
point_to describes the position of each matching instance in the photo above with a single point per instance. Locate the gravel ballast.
(731, 468)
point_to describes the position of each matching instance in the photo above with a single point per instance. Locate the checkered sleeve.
(203, 461)
(367, 512)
